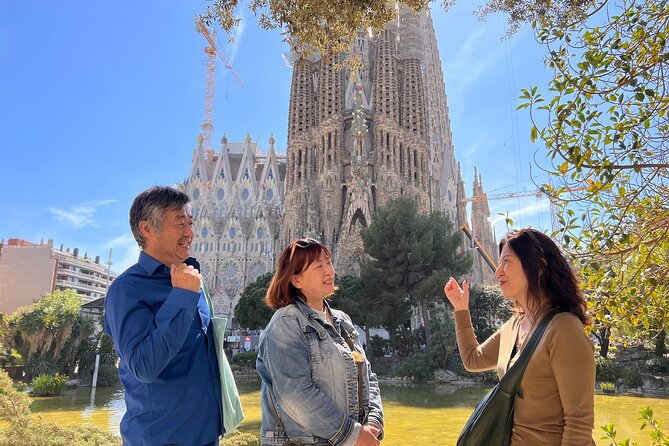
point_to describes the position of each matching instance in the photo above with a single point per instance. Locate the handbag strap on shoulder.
(511, 380)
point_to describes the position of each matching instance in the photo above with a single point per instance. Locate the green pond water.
(425, 414)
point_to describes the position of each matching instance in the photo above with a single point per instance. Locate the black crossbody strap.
(511, 380)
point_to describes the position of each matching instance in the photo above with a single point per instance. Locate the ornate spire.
(359, 124)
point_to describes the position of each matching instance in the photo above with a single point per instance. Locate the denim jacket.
(309, 375)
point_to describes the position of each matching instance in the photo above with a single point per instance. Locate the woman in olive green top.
(555, 405)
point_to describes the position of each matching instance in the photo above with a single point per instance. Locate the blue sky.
(100, 100)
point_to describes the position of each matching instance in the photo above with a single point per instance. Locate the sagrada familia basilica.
(355, 141)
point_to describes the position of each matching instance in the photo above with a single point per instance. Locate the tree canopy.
(49, 333)
(489, 309)
(251, 311)
(604, 124)
(412, 257)
(331, 25)
(347, 298)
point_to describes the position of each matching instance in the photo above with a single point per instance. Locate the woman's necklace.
(526, 324)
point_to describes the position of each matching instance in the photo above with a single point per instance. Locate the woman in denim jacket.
(317, 386)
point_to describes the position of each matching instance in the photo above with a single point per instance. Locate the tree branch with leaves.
(605, 127)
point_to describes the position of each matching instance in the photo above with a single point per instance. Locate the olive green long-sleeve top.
(558, 387)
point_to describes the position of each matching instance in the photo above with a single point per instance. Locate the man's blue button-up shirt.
(167, 353)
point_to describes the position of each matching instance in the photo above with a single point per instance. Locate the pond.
(416, 414)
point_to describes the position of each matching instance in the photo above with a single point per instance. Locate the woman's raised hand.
(459, 297)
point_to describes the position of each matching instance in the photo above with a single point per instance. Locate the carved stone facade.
(237, 201)
(357, 140)
(483, 232)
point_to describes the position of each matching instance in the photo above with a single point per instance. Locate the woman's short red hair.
(294, 258)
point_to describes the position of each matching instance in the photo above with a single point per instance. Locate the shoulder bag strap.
(358, 365)
(203, 285)
(511, 380)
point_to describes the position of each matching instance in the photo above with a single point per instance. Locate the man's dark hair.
(151, 205)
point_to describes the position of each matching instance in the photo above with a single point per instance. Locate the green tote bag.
(232, 406)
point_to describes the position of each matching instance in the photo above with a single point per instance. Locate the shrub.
(607, 386)
(49, 434)
(648, 421)
(240, 439)
(454, 364)
(14, 405)
(245, 359)
(9, 356)
(15, 408)
(377, 346)
(657, 365)
(107, 375)
(42, 366)
(418, 366)
(607, 369)
(49, 385)
(632, 378)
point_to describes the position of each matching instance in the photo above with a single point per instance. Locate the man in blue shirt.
(159, 320)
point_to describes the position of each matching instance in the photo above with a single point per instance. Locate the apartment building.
(29, 270)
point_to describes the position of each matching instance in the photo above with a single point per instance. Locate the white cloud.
(80, 215)
(474, 60)
(468, 62)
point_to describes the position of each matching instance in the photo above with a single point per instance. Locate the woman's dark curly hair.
(548, 272)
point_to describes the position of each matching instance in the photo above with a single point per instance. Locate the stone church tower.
(355, 141)
(359, 139)
(237, 202)
(482, 230)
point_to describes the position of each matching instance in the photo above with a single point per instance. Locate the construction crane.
(212, 51)
(527, 193)
(555, 224)
(481, 250)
